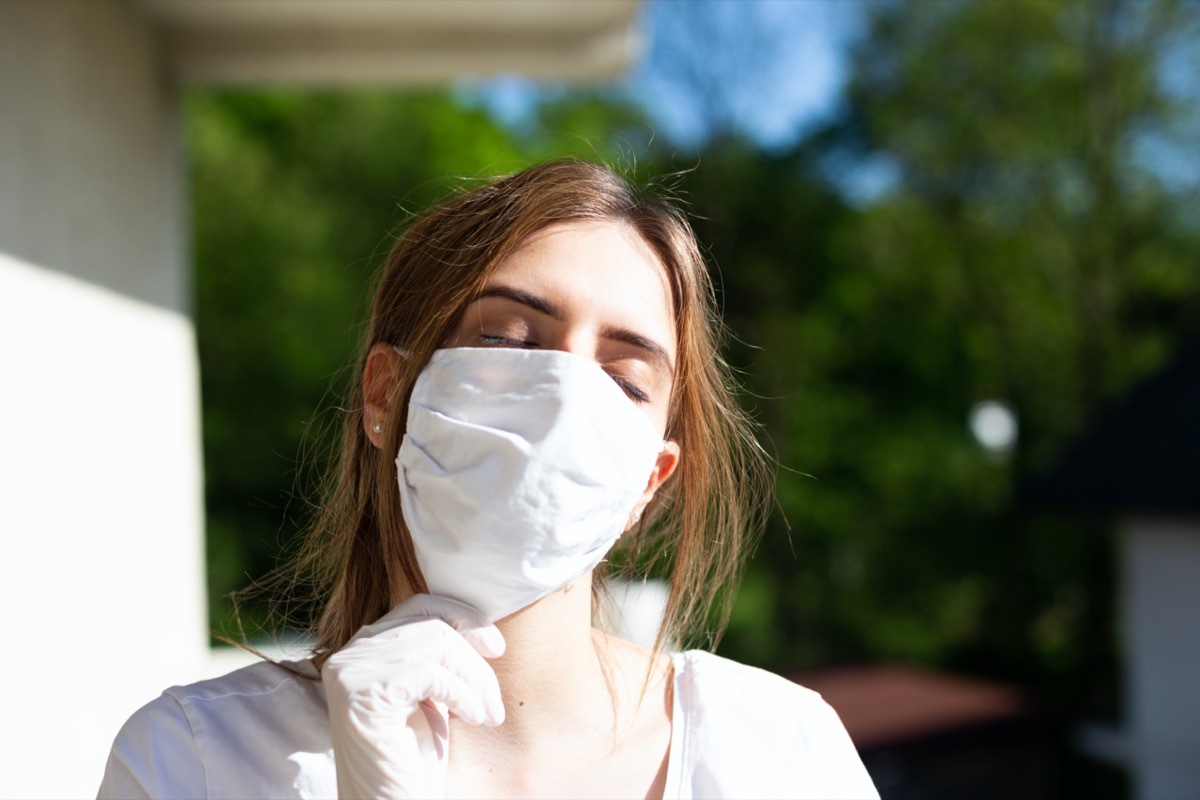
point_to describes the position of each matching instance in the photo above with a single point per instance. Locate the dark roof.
(1144, 457)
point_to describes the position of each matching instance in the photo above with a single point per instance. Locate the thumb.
(470, 623)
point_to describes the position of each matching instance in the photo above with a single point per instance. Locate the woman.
(540, 378)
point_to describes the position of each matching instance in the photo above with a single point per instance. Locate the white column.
(101, 549)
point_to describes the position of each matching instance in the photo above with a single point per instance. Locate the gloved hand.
(391, 688)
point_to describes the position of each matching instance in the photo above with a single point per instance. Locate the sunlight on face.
(594, 289)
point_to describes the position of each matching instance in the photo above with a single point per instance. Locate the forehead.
(603, 270)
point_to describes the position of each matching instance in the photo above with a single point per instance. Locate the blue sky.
(791, 52)
(796, 49)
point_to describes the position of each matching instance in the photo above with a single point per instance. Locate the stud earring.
(637, 516)
(377, 427)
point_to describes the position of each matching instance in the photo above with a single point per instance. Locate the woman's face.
(594, 289)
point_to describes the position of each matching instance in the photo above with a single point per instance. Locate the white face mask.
(518, 472)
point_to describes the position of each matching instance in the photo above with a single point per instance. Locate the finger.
(407, 686)
(469, 665)
(474, 627)
(488, 642)
(447, 647)
(440, 685)
(383, 660)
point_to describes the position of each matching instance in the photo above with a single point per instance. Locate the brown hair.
(358, 556)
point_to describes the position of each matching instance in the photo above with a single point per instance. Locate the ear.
(664, 467)
(379, 381)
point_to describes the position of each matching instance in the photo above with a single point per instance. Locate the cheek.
(661, 411)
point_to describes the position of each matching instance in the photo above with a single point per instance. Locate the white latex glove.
(391, 688)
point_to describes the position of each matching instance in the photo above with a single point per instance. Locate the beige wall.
(101, 555)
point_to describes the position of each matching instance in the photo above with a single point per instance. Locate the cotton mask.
(518, 471)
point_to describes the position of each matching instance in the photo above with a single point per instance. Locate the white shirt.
(263, 732)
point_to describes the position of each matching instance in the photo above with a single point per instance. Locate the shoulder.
(705, 672)
(238, 731)
(741, 696)
(258, 681)
(788, 740)
(247, 706)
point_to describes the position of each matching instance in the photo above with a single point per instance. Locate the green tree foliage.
(1023, 253)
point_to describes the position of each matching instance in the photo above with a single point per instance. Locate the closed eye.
(504, 341)
(635, 393)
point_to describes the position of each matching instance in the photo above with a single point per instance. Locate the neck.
(552, 671)
(574, 710)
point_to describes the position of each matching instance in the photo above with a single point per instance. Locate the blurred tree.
(1023, 252)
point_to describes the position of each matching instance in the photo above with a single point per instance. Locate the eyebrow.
(656, 351)
(525, 299)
